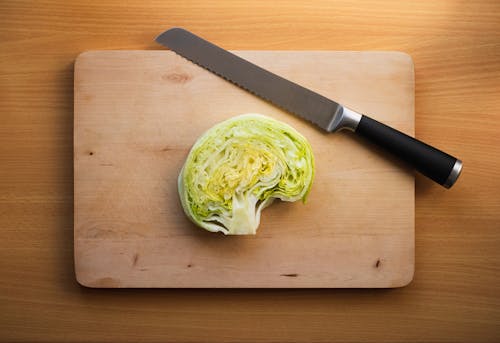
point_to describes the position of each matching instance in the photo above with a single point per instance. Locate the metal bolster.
(345, 119)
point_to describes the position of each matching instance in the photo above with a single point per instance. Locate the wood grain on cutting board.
(137, 113)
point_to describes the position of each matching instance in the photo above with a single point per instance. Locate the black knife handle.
(431, 162)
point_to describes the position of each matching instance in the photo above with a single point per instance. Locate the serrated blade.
(284, 93)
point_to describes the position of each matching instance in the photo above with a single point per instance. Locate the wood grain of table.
(455, 295)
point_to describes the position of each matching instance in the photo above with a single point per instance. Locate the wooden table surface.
(455, 295)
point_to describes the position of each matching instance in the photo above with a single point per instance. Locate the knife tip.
(162, 38)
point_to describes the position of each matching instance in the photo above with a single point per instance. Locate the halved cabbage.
(238, 167)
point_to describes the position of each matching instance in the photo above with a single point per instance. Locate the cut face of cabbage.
(238, 167)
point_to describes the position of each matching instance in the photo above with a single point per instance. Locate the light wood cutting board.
(137, 113)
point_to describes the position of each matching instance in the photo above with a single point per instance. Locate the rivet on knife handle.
(326, 113)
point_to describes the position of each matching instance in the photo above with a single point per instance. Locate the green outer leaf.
(238, 167)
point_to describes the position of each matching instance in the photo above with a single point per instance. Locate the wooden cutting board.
(137, 113)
